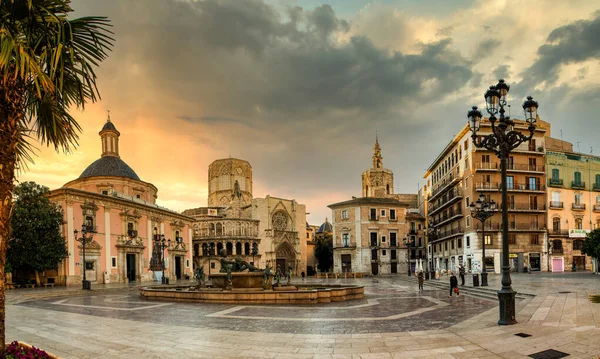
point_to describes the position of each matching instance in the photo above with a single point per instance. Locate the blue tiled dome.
(326, 227)
(109, 166)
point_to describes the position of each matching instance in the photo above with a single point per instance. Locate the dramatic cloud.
(572, 43)
(300, 91)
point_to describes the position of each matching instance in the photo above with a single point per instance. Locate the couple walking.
(454, 281)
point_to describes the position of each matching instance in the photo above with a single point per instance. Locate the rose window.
(280, 220)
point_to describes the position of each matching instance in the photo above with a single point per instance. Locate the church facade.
(110, 201)
(268, 231)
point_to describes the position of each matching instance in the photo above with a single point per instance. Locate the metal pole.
(84, 279)
(506, 295)
(162, 247)
(484, 274)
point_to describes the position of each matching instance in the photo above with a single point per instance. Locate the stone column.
(107, 245)
(190, 250)
(150, 237)
(70, 239)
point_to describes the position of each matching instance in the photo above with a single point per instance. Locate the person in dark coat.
(421, 280)
(453, 284)
(461, 273)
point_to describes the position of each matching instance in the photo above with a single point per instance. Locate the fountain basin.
(245, 280)
(305, 294)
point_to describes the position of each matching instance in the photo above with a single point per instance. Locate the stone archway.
(285, 256)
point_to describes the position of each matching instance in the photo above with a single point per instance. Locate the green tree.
(47, 66)
(324, 251)
(36, 241)
(591, 245)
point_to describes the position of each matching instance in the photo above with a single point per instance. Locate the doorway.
(558, 264)
(346, 263)
(131, 267)
(281, 264)
(178, 267)
(394, 267)
(375, 268)
(534, 262)
(579, 262)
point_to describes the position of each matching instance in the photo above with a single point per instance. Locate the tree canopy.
(36, 241)
(591, 245)
(324, 251)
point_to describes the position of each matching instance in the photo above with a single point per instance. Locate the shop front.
(535, 262)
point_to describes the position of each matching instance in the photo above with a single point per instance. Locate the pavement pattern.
(393, 321)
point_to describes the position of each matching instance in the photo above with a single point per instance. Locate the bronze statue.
(266, 277)
(289, 274)
(278, 275)
(199, 275)
(226, 265)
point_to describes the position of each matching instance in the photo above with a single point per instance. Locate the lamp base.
(484, 282)
(506, 299)
(165, 280)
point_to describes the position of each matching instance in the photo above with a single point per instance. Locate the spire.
(108, 119)
(377, 158)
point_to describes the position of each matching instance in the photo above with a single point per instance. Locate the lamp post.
(482, 210)
(87, 233)
(502, 141)
(254, 253)
(408, 243)
(211, 247)
(161, 244)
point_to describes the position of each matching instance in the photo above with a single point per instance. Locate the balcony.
(526, 147)
(450, 197)
(577, 185)
(489, 166)
(526, 207)
(489, 226)
(578, 206)
(557, 250)
(443, 184)
(597, 207)
(449, 233)
(556, 205)
(555, 182)
(534, 187)
(413, 231)
(487, 186)
(452, 215)
(516, 226)
(522, 167)
(596, 187)
(558, 232)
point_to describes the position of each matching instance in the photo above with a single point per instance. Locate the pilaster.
(70, 238)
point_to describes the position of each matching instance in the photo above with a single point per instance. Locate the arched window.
(556, 224)
(366, 191)
(578, 223)
(247, 248)
(577, 244)
(196, 249)
(212, 229)
(387, 188)
(229, 247)
(219, 247)
(211, 248)
(219, 229)
(238, 248)
(555, 173)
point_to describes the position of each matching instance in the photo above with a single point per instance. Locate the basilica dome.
(109, 166)
(326, 227)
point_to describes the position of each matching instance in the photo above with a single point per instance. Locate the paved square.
(393, 321)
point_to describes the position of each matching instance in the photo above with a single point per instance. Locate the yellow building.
(573, 204)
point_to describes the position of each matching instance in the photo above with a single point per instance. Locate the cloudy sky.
(299, 87)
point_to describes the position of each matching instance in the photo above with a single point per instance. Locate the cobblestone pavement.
(394, 321)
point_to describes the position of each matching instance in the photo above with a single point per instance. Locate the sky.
(299, 88)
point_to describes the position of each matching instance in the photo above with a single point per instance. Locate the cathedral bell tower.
(377, 181)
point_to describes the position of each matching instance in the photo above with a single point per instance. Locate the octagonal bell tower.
(222, 176)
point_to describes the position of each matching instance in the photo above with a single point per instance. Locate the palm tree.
(47, 66)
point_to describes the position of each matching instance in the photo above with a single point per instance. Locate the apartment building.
(457, 177)
(373, 234)
(573, 204)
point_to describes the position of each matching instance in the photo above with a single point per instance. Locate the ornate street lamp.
(87, 233)
(160, 243)
(502, 141)
(211, 247)
(409, 244)
(254, 253)
(482, 210)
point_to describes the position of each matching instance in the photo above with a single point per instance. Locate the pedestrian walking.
(421, 280)
(453, 285)
(461, 272)
(303, 274)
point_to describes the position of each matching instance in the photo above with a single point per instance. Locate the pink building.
(111, 199)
